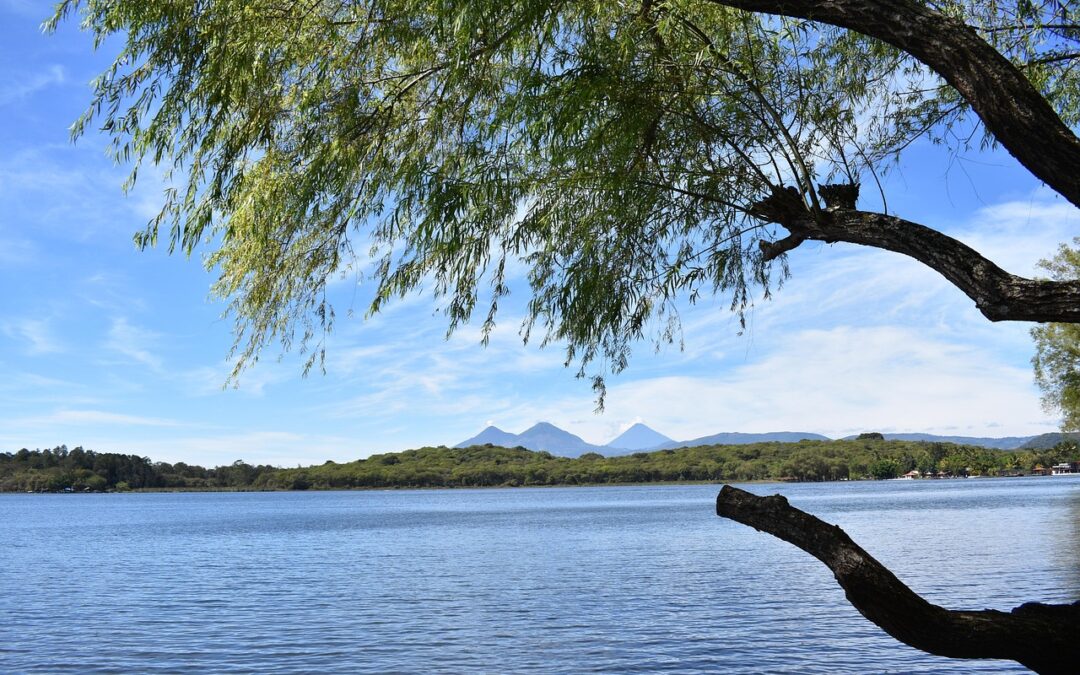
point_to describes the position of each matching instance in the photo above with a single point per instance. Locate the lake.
(546, 580)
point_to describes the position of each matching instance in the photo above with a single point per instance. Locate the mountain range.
(545, 436)
(542, 436)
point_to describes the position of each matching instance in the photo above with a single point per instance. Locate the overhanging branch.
(1045, 638)
(999, 295)
(1011, 107)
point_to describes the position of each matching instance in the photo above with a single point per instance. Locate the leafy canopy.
(617, 149)
(1057, 349)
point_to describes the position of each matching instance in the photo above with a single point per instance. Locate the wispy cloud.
(254, 381)
(17, 252)
(19, 88)
(279, 448)
(836, 382)
(25, 8)
(101, 417)
(66, 192)
(1017, 234)
(35, 334)
(110, 291)
(406, 364)
(133, 343)
(21, 392)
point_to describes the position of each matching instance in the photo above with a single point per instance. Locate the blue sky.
(117, 350)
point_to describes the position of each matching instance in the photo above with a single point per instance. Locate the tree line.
(79, 470)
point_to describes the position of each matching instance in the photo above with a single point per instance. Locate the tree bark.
(1012, 109)
(999, 295)
(1044, 638)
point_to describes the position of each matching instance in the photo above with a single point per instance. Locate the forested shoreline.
(79, 470)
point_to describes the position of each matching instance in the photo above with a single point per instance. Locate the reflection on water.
(613, 579)
(1069, 551)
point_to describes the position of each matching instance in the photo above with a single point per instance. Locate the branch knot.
(784, 205)
(839, 195)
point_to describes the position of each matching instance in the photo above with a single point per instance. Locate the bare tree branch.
(1011, 107)
(1045, 638)
(999, 295)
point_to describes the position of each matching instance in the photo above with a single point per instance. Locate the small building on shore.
(1065, 468)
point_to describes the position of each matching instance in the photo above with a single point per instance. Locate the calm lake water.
(611, 579)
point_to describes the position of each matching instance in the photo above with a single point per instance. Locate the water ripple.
(626, 580)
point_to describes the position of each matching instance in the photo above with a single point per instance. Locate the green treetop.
(1057, 349)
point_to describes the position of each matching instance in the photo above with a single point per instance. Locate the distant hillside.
(548, 437)
(487, 465)
(493, 435)
(79, 470)
(541, 436)
(733, 438)
(1044, 441)
(638, 437)
(1000, 443)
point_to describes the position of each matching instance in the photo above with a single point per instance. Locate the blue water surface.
(556, 580)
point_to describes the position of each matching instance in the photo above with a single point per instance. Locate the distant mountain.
(493, 435)
(745, 439)
(1002, 443)
(545, 436)
(638, 437)
(540, 436)
(1044, 441)
(550, 438)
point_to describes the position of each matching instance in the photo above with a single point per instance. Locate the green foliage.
(79, 470)
(1057, 349)
(885, 468)
(490, 466)
(58, 470)
(617, 150)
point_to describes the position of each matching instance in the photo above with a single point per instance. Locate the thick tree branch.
(1012, 109)
(999, 295)
(1045, 638)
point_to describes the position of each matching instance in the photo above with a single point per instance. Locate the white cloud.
(36, 334)
(279, 448)
(835, 382)
(25, 8)
(65, 193)
(16, 89)
(252, 382)
(1018, 234)
(133, 343)
(101, 417)
(21, 392)
(17, 252)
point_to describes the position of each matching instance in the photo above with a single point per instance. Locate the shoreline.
(417, 488)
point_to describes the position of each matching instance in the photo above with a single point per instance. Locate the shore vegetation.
(79, 470)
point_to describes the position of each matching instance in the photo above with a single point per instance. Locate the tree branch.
(999, 295)
(1011, 107)
(1045, 638)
